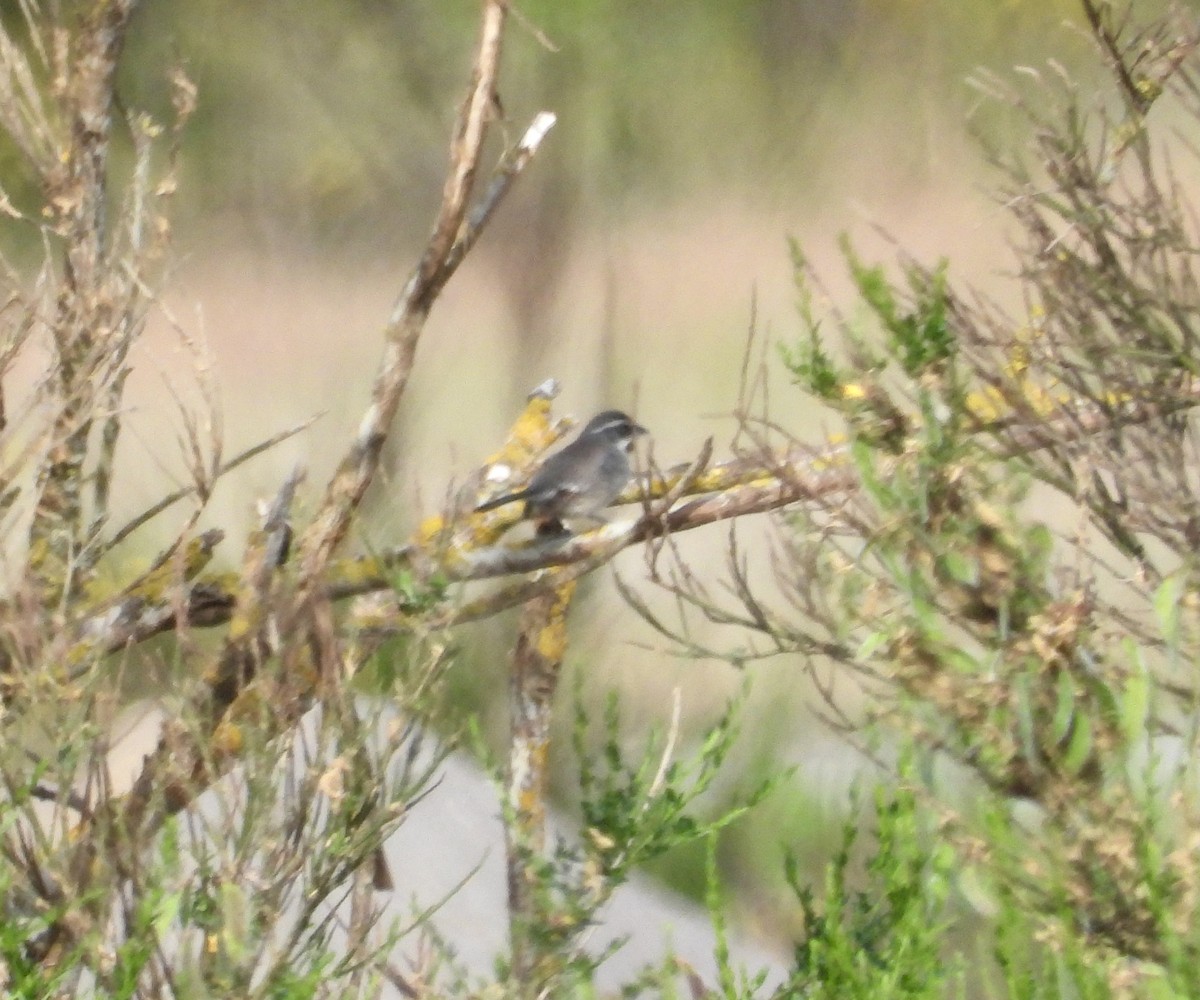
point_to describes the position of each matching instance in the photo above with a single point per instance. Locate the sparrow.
(582, 479)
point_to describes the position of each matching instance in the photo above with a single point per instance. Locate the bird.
(582, 479)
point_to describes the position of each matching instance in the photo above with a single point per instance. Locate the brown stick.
(346, 489)
(722, 491)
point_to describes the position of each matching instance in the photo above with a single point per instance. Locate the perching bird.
(583, 478)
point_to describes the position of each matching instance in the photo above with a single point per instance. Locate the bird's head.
(614, 426)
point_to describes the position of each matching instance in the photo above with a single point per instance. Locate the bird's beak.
(638, 430)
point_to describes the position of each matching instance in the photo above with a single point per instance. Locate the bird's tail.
(501, 500)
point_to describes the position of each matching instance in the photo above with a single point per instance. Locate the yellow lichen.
(429, 530)
(853, 391)
(551, 643)
(227, 738)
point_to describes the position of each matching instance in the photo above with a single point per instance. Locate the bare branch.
(461, 552)
(184, 492)
(446, 248)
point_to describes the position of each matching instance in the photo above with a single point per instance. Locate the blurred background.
(693, 140)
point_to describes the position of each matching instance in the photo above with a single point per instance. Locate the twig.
(183, 492)
(664, 763)
(445, 250)
(726, 490)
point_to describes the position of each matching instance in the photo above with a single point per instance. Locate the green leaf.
(813, 367)
(1064, 710)
(961, 568)
(1026, 726)
(1166, 605)
(235, 933)
(168, 910)
(1079, 750)
(872, 643)
(1135, 701)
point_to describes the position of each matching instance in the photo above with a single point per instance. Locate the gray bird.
(583, 478)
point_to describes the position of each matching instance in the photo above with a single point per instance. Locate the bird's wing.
(572, 471)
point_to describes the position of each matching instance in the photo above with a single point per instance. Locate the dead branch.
(445, 250)
(93, 306)
(459, 552)
(264, 607)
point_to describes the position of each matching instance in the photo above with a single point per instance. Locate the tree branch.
(536, 665)
(459, 550)
(445, 250)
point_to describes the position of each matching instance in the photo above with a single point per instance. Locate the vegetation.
(998, 552)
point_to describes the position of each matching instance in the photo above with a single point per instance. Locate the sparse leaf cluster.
(1011, 578)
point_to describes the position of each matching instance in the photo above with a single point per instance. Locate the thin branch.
(445, 250)
(184, 492)
(1137, 99)
(721, 492)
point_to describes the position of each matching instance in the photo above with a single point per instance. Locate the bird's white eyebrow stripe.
(610, 424)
